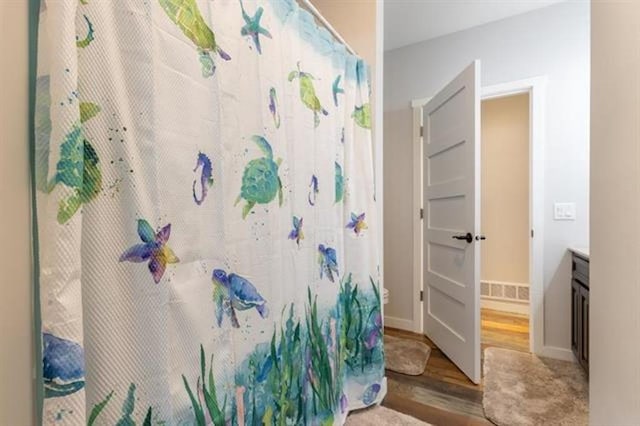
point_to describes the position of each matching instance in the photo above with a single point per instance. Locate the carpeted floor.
(405, 356)
(523, 389)
(378, 415)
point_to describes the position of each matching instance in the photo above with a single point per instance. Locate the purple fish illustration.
(252, 26)
(337, 89)
(206, 178)
(296, 233)
(153, 248)
(273, 107)
(62, 366)
(357, 223)
(371, 394)
(233, 292)
(313, 191)
(327, 259)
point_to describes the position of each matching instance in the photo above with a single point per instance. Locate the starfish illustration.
(252, 26)
(153, 248)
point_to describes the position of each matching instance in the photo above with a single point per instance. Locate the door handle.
(468, 237)
(480, 238)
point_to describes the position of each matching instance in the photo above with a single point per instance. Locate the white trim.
(502, 305)
(399, 323)
(556, 353)
(536, 87)
(418, 313)
(505, 283)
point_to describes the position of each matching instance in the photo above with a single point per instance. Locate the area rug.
(405, 356)
(378, 415)
(523, 389)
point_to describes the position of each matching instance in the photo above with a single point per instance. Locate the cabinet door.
(575, 318)
(584, 329)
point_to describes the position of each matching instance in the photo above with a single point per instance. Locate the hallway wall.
(505, 189)
(552, 41)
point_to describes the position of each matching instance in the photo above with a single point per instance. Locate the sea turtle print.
(187, 16)
(362, 115)
(232, 292)
(308, 93)
(260, 180)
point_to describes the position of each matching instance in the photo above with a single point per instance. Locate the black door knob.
(468, 237)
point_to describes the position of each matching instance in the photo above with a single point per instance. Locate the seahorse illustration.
(206, 178)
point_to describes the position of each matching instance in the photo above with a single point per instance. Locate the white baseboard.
(399, 323)
(505, 306)
(557, 353)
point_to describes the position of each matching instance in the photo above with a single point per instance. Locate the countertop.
(580, 251)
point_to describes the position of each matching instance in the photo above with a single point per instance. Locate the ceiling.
(410, 21)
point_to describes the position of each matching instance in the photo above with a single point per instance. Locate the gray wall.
(553, 41)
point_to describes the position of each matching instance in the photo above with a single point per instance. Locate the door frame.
(536, 88)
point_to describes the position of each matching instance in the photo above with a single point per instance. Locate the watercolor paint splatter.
(62, 366)
(273, 107)
(328, 261)
(362, 116)
(296, 233)
(313, 191)
(206, 178)
(252, 27)
(339, 183)
(357, 223)
(336, 89)
(153, 249)
(86, 41)
(187, 16)
(233, 293)
(308, 94)
(260, 180)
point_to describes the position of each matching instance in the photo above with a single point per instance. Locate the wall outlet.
(564, 211)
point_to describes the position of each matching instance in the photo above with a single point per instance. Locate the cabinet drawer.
(580, 270)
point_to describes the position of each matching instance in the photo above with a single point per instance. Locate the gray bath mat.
(405, 356)
(523, 389)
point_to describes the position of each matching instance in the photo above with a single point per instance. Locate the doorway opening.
(534, 89)
(504, 271)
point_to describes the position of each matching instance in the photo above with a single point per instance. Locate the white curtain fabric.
(205, 212)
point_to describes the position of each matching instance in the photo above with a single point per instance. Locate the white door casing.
(451, 185)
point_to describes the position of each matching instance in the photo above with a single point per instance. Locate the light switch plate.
(564, 211)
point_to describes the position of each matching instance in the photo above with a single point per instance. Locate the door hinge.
(421, 213)
(421, 295)
(421, 131)
(532, 233)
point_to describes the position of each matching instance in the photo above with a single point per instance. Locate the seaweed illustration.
(211, 405)
(128, 407)
(326, 361)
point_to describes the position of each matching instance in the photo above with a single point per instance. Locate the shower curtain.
(206, 214)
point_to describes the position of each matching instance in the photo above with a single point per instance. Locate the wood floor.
(443, 395)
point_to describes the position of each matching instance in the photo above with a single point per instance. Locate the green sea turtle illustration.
(78, 165)
(362, 115)
(260, 180)
(308, 93)
(187, 16)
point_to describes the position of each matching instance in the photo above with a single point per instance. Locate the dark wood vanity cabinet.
(580, 309)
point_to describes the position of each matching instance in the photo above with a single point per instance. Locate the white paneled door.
(451, 138)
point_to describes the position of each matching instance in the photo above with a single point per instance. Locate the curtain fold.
(206, 216)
